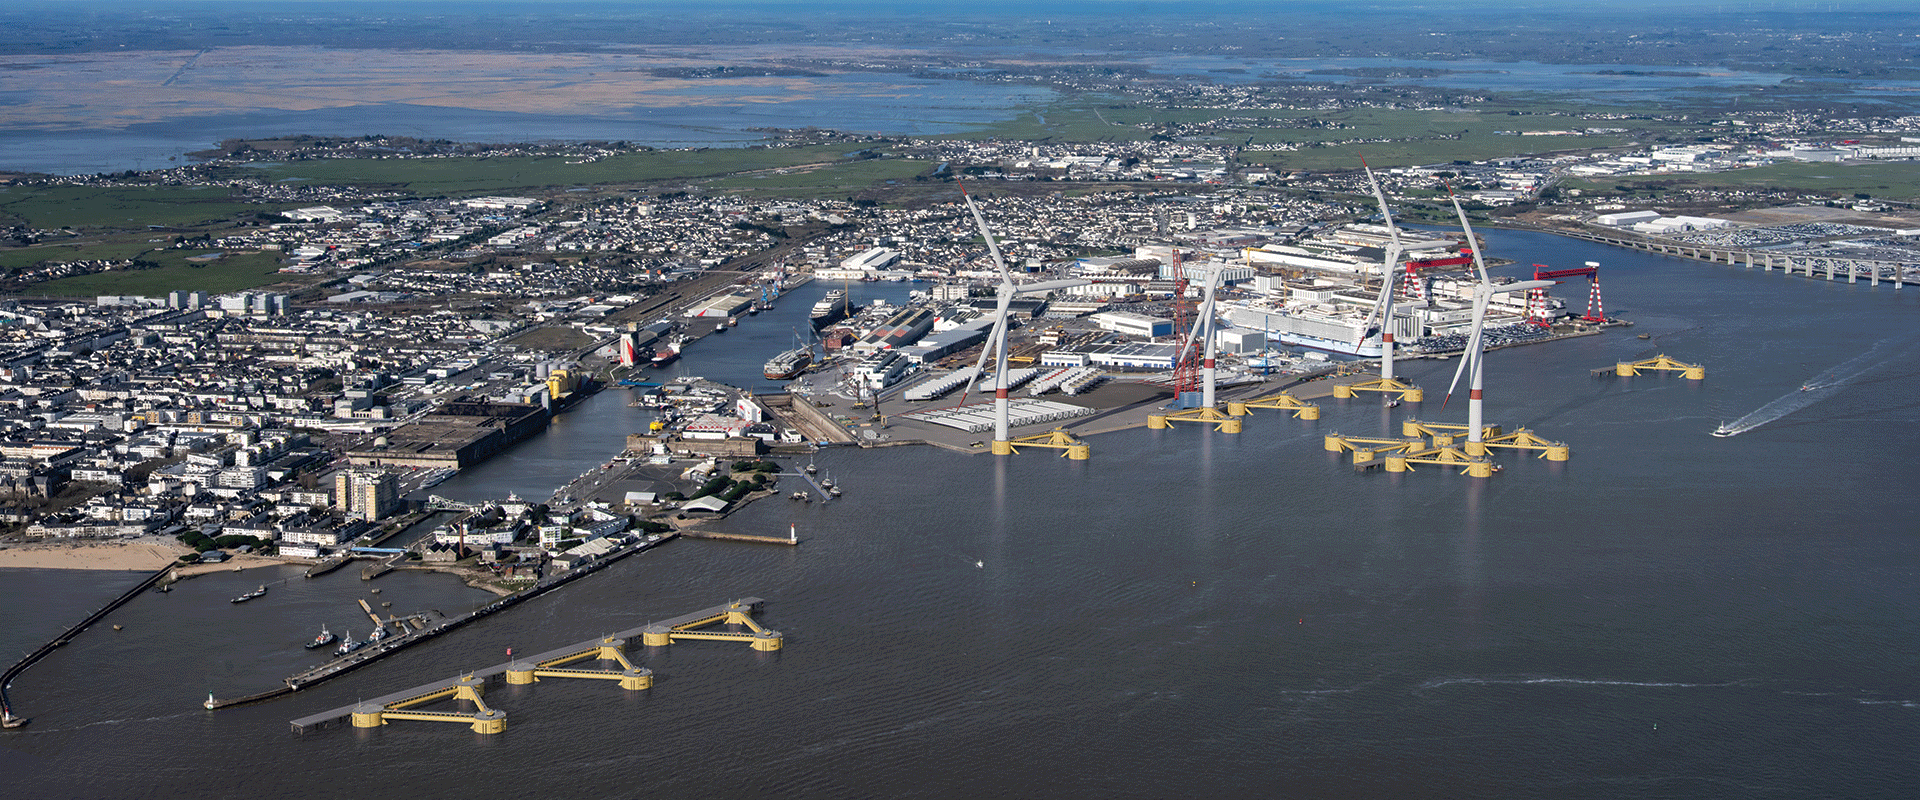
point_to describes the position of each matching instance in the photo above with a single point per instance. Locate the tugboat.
(325, 638)
(348, 645)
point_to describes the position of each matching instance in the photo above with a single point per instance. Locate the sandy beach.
(144, 553)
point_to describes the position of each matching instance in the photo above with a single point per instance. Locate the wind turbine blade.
(1386, 264)
(1457, 372)
(992, 247)
(1048, 286)
(1478, 262)
(991, 345)
(1474, 342)
(1521, 286)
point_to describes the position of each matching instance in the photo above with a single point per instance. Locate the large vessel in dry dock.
(831, 309)
(788, 365)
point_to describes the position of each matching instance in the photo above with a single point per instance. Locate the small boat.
(348, 645)
(1723, 431)
(210, 702)
(1644, 336)
(248, 596)
(811, 468)
(720, 328)
(325, 638)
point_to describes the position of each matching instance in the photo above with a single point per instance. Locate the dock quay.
(556, 663)
(738, 537)
(348, 663)
(327, 566)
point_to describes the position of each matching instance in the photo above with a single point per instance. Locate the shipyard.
(716, 401)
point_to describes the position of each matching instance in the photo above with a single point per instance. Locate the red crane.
(1186, 356)
(1537, 298)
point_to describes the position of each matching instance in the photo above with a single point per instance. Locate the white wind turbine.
(997, 339)
(1203, 331)
(1383, 307)
(1470, 361)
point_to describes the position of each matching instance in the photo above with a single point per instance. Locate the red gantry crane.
(1537, 312)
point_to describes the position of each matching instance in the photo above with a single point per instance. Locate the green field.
(1075, 120)
(433, 177)
(114, 247)
(230, 274)
(1894, 180)
(832, 179)
(116, 206)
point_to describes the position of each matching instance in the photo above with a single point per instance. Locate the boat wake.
(1815, 389)
(1534, 681)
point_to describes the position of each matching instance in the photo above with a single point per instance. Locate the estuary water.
(1667, 615)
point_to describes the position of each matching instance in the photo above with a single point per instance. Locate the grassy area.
(1894, 180)
(832, 178)
(1077, 120)
(110, 247)
(79, 206)
(463, 176)
(229, 274)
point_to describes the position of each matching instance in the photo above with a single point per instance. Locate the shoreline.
(141, 554)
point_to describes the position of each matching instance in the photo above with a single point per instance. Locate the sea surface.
(723, 115)
(1188, 614)
(894, 105)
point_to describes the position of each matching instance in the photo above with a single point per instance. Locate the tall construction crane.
(1186, 359)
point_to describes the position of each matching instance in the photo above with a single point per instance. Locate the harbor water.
(1667, 615)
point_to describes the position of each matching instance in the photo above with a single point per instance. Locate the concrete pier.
(1810, 266)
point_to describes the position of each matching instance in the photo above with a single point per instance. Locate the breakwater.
(6, 678)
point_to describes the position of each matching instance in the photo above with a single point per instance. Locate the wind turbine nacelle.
(1521, 286)
(1049, 286)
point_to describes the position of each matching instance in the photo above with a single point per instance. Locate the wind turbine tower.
(1392, 390)
(1201, 335)
(1471, 362)
(1003, 443)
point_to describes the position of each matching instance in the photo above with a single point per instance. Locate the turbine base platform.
(1070, 446)
(1282, 401)
(1445, 434)
(1368, 449)
(1523, 439)
(1206, 415)
(1404, 392)
(1473, 466)
(1659, 363)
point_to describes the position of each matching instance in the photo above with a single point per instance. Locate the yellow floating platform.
(1660, 363)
